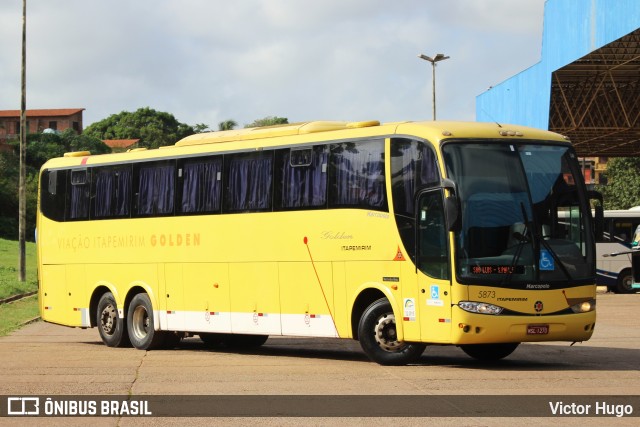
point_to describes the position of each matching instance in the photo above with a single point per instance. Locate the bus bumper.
(471, 328)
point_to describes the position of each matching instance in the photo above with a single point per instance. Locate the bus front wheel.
(113, 330)
(378, 337)
(489, 352)
(140, 324)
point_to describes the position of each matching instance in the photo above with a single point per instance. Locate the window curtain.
(359, 174)
(105, 189)
(79, 208)
(155, 190)
(113, 192)
(201, 187)
(305, 186)
(250, 182)
(123, 192)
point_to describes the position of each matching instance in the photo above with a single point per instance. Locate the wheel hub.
(140, 322)
(108, 319)
(386, 334)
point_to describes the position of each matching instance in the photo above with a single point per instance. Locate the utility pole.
(437, 58)
(22, 197)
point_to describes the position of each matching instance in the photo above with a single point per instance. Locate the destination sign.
(497, 269)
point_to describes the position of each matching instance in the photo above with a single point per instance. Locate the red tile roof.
(42, 113)
(120, 143)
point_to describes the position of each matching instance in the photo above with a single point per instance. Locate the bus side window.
(53, 192)
(111, 196)
(607, 230)
(155, 188)
(79, 191)
(357, 175)
(201, 188)
(622, 231)
(301, 178)
(248, 181)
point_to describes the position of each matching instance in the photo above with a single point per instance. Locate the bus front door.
(433, 267)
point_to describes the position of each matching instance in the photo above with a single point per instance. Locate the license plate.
(537, 329)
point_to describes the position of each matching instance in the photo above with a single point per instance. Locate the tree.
(153, 128)
(623, 183)
(41, 150)
(74, 142)
(44, 146)
(227, 125)
(9, 203)
(268, 121)
(201, 128)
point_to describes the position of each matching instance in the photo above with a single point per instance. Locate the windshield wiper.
(540, 240)
(522, 239)
(537, 238)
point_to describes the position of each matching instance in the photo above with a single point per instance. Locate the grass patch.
(15, 314)
(9, 284)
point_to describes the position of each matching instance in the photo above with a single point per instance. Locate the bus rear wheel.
(625, 281)
(378, 337)
(113, 330)
(140, 324)
(489, 352)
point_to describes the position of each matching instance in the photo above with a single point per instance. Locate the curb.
(28, 322)
(16, 297)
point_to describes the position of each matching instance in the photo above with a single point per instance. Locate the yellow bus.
(398, 235)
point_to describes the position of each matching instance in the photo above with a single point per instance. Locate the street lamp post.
(439, 57)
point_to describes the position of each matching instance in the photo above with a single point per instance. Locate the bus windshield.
(524, 215)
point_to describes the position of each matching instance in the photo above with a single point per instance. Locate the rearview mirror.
(451, 205)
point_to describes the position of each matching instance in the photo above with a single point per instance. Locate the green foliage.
(268, 121)
(201, 128)
(41, 150)
(227, 125)
(75, 142)
(44, 146)
(9, 179)
(623, 183)
(153, 128)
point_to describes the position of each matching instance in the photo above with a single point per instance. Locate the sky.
(206, 61)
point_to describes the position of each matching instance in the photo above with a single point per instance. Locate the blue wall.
(572, 29)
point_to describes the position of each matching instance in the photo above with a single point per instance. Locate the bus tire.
(140, 324)
(378, 338)
(113, 329)
(489, 352)
(242, 341)
(625, 280)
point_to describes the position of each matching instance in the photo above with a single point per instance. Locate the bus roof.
(316, 131)
(439, 131)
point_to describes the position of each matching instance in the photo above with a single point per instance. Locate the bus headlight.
(584, 307)
(480, 307)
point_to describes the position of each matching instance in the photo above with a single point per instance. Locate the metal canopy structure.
(587, 83)
(595, 100)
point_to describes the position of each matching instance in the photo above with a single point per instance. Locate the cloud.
(210, 60)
